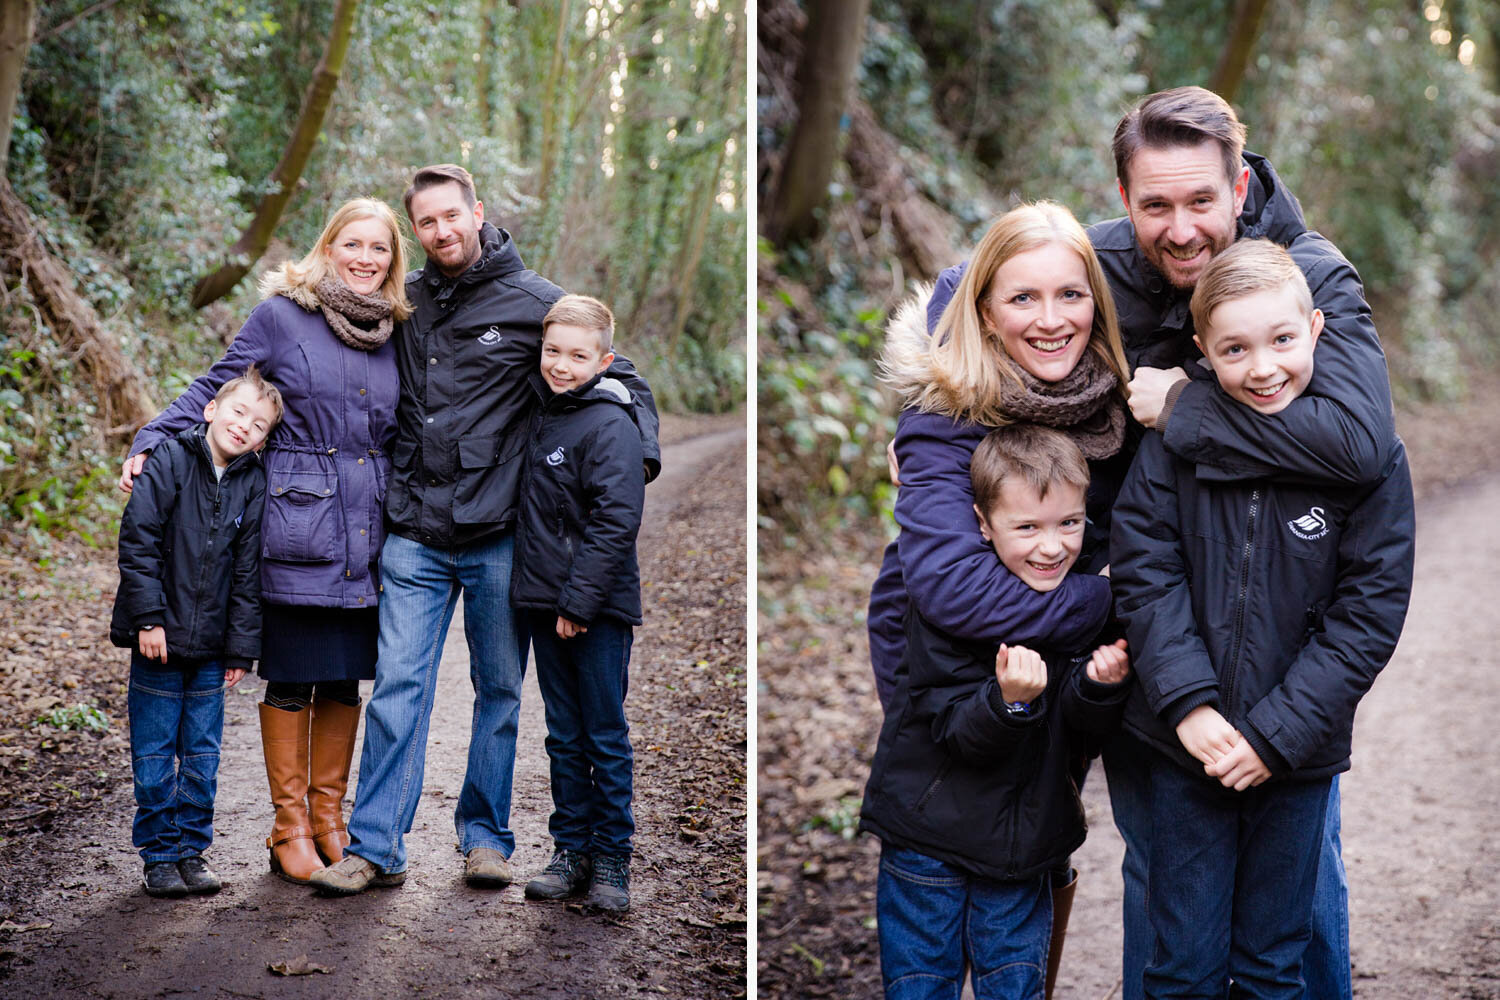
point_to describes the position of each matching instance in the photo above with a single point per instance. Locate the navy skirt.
(302, 645)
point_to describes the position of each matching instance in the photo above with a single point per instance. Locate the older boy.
(970, 792)
(188, 607)
(578, 590)
(1259, 613)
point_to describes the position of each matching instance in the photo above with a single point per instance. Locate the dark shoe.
(565, 875)
(198, 877)
(487, 868)
(163, 879)
(351, 875)
(610, 887)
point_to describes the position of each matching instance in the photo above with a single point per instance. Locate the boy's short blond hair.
(586, 312)
(1039, 456)
(253, 380)
(1247, 267)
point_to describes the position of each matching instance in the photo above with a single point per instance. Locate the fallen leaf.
(11, 927)
(298, 966)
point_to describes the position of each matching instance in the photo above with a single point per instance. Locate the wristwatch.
(1018, 708)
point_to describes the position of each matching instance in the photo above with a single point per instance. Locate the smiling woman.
(322, 337)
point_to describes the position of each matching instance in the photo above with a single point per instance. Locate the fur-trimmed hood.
(276, 282)
(906, 362)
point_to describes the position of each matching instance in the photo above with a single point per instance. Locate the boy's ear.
(209, 409)
(607, 360)
(1199, 344)
(1317, 324)
(984, 526)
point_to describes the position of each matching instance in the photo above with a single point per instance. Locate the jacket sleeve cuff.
(1174, 713)
(1102, 694)
(1173, 394)
(1269, 755)
(238, 663)
(1004, 714)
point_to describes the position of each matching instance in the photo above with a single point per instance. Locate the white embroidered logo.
(1310, 525)
(556, 458)
(490, 336)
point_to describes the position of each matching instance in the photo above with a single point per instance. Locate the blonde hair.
(1247, 267)
(256, 383)
(317, 265)
(585, 312)
(1039, 456)
(959, 376)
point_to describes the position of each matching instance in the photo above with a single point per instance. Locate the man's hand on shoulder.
(1148, 392)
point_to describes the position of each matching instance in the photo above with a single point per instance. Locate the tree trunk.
(1235, 55)
(488, 12)
(923, 230)
(550, 118)
(124, 401)
(253, 242)
(830, 53)
(17, 22)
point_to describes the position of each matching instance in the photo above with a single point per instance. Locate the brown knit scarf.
(344, 308)
(1083, 405)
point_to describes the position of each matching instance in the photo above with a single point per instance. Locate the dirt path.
(1421, 807)
(685, 936)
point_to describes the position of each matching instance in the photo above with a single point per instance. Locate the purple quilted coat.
(326, 464)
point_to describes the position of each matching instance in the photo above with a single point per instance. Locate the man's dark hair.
(1183, 116)
(441, 173)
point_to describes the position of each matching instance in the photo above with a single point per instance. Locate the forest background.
(159, 150)
(890, 134)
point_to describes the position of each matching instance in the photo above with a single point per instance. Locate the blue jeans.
(934, 919)
(176, 725)
(420, 589)
(1230, 890)
(1325, 966)
(583, 682)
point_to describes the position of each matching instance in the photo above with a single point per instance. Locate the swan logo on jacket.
(490, 337)
(556, 458)
(1309, 526)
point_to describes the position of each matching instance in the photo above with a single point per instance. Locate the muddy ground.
(74, 923)
(1421, 807)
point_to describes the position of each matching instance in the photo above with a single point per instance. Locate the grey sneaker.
(163, 879)
(487, 868)
(610, 887)
(565, 875)
(198, 877)
(351, 875)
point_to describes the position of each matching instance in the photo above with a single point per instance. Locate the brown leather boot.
(284, 735)
(333, 727)
(1062, 908)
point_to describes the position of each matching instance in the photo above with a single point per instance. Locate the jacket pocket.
(489, 474)
(302, 517)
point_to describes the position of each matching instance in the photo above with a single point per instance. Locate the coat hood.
(1271, 211)
(906, 361)
(278, 283)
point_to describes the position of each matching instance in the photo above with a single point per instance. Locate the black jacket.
(1340, 431)
(190, 553)
(581, 507)
(464, 357)
(958, 778)
(1275, 603)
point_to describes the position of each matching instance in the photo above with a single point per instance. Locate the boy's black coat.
(190, 552)
(1274, 602)
(581, 503)
(958, 778)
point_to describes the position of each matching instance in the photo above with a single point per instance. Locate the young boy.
(1258, 614)
(188, 608)
(970, 792)
(578, 587)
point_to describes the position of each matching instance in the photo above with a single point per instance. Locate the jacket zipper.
(1232, 668)
(932, 788)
